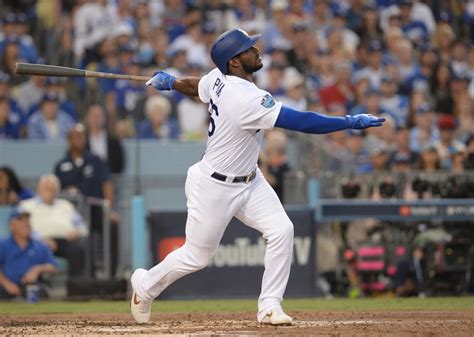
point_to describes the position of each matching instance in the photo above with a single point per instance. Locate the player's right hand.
(161, 81)
(363, 121)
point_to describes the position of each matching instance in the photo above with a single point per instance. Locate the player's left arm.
(163, 81)
(317, 123)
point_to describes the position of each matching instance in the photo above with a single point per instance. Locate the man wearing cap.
(374, 70)
(227, 181)
(23, 260)
(49, 123)
(56, 86)
(12, 29)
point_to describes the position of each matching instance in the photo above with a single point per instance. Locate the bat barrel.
(48, 70)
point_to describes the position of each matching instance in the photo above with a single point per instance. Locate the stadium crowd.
(409, 61)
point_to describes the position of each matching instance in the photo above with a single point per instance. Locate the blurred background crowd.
(409, 61)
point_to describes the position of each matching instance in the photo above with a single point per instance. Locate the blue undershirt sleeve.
(309, 122)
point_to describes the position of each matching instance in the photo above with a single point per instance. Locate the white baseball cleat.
(277, 317)
(140, 309)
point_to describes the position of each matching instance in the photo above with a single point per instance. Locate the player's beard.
(250, 69)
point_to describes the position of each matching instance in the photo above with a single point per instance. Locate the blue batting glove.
(161, 81)
(363, 121)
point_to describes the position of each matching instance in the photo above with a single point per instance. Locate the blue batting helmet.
(230, 44)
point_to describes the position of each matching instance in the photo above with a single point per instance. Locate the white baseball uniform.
(239, 113)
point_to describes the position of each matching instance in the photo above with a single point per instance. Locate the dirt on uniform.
(370, 323)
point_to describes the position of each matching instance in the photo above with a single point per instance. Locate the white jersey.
(240, 111)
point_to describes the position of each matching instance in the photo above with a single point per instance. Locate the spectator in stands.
(6, 91)
(440, 88)
(408, 66)
(274, 79)
(158, 125)
(392, 102)
(469, 155)
(10, 122)
(341, 93)
(457, 161)
(425, 131)
(57, 223)
(458, 63)
(16, 26)
(127, 93)
(102, 143)
(295, 93)
(359, 158)
(93, 22)
(30, 93)
(23, 260)
(374, 68)
(465, 116)
(10, 55)
(50, 123)
(447, 145)
(428, 159)
(402, 146)
(193, 117)
(369, 29)
(193, 43)
(57, 85)
(81, 172)
(11, 189)
(273, 161)
(379, 156)
(243, 14)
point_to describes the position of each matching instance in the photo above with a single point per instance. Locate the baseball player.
(227, 182)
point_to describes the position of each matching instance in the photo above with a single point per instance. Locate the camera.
(350, 189)
(387, 189)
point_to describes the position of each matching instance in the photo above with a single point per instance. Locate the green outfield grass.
(442, 303)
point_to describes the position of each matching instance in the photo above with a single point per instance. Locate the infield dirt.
(369, 323)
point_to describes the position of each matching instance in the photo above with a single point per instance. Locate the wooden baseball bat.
(48, 70)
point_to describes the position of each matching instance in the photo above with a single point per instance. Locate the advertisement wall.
(236, 268)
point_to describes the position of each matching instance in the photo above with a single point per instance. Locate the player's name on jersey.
(243, 253)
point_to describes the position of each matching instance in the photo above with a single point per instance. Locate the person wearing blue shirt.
(10, 122)
(23, 260)
(50, 123)
(56, 85)
(27, 49)
(158, 124)
(128, 93)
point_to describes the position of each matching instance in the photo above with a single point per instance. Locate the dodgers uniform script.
(240, 111)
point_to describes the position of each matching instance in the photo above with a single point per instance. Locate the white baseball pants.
(211, 205)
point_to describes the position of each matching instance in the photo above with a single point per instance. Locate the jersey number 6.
(212, 125)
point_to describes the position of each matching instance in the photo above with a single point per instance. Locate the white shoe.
(141, 310)
(277, 317)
